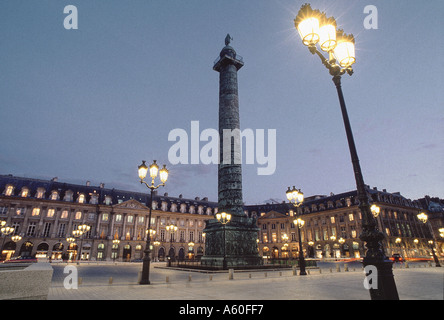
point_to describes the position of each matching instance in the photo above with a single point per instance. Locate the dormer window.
(54, 195)
(9, 190)
(40, 193)
(25, 192)
(81, 198)
(108, 200)
(94, 198)
(68, 196)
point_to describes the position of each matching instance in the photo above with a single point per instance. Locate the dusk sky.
(92, 103)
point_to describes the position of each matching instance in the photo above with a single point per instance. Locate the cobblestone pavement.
(415, 283)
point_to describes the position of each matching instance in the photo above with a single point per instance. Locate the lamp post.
(172, 229)
(223, 218)
(424, 218)
(342, 241)
(163, 174)
(77, 234)
(71, 243)
(115, 248)
(296, 197)
(315, 28)
(83, 230)
(6, 230)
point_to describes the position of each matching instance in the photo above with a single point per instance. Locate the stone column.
(235, 242)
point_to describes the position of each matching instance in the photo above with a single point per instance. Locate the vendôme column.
(235, 242)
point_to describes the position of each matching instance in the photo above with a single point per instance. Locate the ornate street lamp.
(6, 230)
(16, 238)
(224, 218)
(424, 218)
(83, 229)
(172, 229)
(296, 198)
(375, 210)
(163, 175)
(315, 28)
(77, 234)
(115, 248)
(299, 223)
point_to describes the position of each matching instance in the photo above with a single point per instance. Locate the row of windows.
(313, 235)
(351, 217)
(94, 199)
(105, 217)
(31, 230)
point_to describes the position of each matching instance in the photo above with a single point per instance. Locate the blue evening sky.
(90, 104)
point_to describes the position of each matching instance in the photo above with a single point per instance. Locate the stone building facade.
(333, 226)
(45, 213)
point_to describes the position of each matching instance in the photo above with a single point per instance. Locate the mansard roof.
(117, 196)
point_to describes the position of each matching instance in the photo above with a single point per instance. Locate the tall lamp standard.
(424, 218)
(6, 230)
(223, 218)
(83, 230)
(315, 28)
(296, 198)
(77, 234)
(154, 171)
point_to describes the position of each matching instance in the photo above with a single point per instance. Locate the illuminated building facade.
(46, 212)
(333, 225)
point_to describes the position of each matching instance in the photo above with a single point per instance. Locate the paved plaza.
(119, 282)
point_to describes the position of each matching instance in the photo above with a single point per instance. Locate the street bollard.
(265, 274)
(110, 280)
(230, 274)
(346, 267)
(280, 273)
(249, 275)
(80, 280)
(338, 268)
(294, 271)
(167, 279)
(189, 278)
(320, 270)
(406, 265)
(211, 277)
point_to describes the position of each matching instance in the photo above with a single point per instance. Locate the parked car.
(21, 259)
(396, 257)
